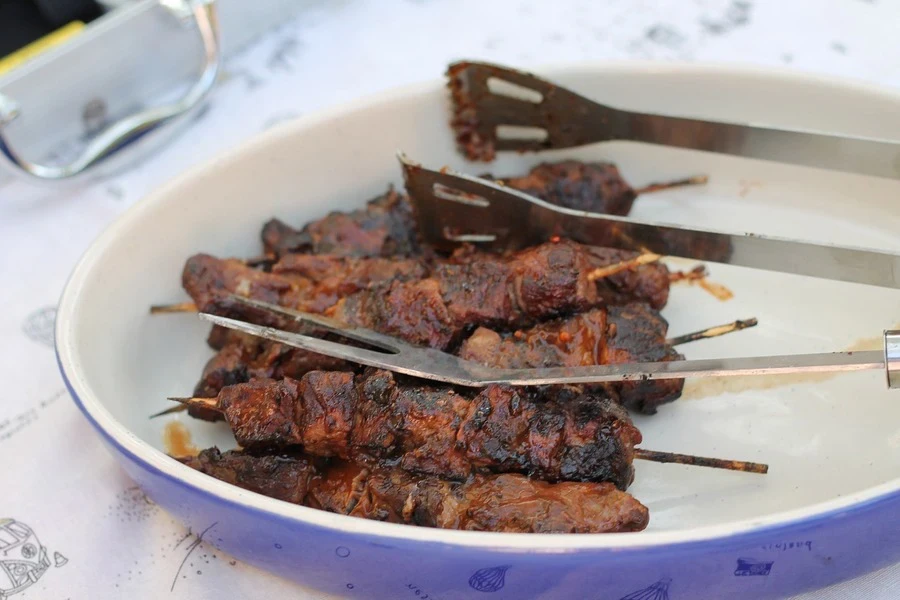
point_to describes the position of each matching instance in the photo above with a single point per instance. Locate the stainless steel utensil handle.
(435, 365)
(512, 219)
(892, 358)
(681, 369)
(879, 158)
(128, 130)
(832, 362)
(840, 263)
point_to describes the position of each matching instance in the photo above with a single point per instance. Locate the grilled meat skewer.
(584, 339)
(469, 290)
(375, 417)
(508, 503)
(432, 311)
(432, 432)
(384, 227)
(312, 282)
(315, 283)
(333, 278)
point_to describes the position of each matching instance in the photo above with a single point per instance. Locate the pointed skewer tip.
(169, 411)
(188, 401)
(667, 185)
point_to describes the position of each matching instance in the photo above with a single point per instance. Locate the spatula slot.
(448, 193)
(502, 87)
(520, 132)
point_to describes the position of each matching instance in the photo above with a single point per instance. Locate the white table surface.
(58, 479)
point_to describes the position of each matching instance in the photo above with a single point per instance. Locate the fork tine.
(426, 363)
(363, 356)
(359, 334)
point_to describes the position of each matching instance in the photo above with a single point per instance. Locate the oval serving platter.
(825, 512)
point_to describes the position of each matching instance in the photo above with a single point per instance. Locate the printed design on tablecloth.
(18, 423)
(283, 54)
(23, 559)
(198, 539)
(132, 506)
(251, 80)
(657, 591)
(737, 15)
(749, 567)
(39, 326)
(489, 580)
(279, 118)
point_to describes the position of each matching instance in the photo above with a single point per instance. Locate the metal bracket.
(180, 9)
(125, 132)
(892, 358)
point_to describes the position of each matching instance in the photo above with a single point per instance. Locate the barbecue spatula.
(484, 116)
(452, 208)
(398, 356)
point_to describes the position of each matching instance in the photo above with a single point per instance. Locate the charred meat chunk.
(434, 430)
(385, 227)
(594, 187)
(617, 335)
(507, 502)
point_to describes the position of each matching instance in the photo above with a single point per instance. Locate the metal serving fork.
(566, 119)
(398, 356)
(452, 208)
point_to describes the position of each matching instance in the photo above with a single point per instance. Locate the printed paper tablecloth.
(57, 482)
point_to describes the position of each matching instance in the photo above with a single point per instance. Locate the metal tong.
(453, 208)
(564, 119)
(395, 355)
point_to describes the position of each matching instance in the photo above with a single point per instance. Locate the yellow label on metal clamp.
(43, 44)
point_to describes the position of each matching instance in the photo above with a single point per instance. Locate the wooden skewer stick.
(179, 307)
(712, 332)
(651, 455)
(700, 461)
(212, 403)
(631, 263)
(185, 403)
(175, 409)
(667, 185)
(709, 332)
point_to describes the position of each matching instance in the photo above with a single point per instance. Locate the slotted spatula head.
(496, 108)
